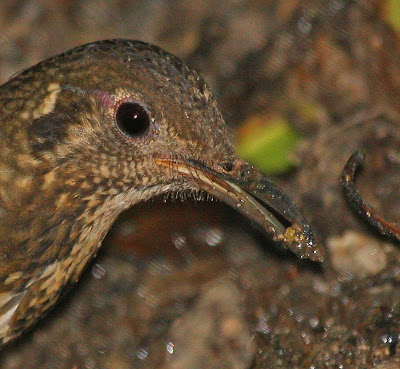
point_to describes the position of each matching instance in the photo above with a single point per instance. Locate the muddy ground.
(186, 285)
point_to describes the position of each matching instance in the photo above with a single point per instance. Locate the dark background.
(185, 285)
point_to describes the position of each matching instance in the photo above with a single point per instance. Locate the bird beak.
(249, 191)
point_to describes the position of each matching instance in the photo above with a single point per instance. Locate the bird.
(88, 133)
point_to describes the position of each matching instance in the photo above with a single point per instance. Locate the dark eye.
(132, 119)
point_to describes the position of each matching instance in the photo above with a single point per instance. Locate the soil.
(195, 285)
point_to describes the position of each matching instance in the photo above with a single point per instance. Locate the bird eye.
(132, 119)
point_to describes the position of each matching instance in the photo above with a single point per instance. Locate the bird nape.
(87, 134)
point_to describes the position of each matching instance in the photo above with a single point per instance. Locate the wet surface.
(217, 296)
(193, 286)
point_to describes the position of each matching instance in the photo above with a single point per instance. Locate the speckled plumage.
(66, 171)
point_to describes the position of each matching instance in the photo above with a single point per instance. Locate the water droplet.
(142, 353)
(213, 236)
(304, 25)
(314, 322)
(98, 271)
(263, 326)
(103, 349)
(179, 241)
(170, 347)
(306, 337)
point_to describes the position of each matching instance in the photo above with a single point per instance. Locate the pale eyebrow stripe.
(49, 102)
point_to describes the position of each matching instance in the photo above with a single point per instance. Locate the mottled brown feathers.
(67, 171)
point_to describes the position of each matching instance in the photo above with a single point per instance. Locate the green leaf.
(393, 11)
(267, 143)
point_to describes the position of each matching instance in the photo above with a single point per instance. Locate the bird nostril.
(227, 166)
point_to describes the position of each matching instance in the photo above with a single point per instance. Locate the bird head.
(123, 121)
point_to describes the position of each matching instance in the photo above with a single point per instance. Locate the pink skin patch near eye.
(107, 100)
